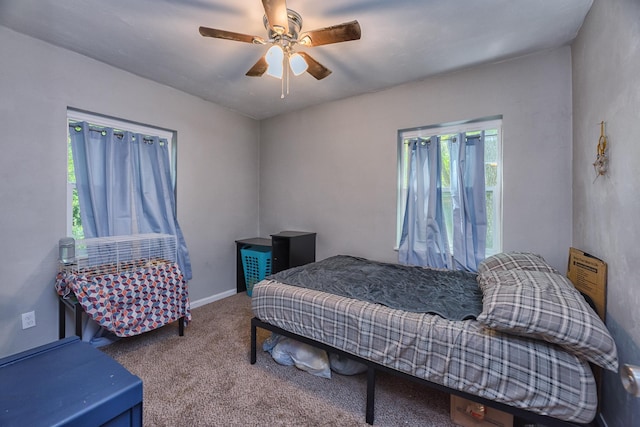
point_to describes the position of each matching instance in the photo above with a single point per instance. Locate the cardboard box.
(466, 413)
(589, 275)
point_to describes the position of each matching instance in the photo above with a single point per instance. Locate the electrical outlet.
(28, 320)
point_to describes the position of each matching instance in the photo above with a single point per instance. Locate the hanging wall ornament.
(602, 161)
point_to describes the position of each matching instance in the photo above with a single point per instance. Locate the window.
(492, 168)
(74, 223)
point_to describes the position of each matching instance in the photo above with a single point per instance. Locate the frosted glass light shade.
(298, 64)
(274, 58)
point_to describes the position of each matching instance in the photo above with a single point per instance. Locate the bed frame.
(373, 368)
(592, 294)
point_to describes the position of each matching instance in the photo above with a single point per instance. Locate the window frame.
(425, 132)
(74, 115)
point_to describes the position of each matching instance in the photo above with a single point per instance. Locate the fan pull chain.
(288, 76)
(285, 77)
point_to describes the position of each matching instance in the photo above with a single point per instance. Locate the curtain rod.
(442, 138)
(118, 133)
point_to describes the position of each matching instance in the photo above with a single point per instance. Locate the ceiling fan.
(283, 27)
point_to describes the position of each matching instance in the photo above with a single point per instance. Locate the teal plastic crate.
(256, 264)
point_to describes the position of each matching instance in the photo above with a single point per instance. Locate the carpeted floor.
(205, 379)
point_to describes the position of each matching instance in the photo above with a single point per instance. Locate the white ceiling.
(402, 41)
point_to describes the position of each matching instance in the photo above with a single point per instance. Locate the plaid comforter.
(463, 355)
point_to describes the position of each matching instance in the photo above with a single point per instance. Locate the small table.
(70, 301)
(288, 249)
(70, 383)
(114, 298)
(241, 285)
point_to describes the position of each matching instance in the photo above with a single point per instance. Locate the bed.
(530, 350)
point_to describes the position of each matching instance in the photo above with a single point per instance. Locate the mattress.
(463, 355)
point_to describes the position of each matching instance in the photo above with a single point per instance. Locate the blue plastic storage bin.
(68, 383)
(256, 264)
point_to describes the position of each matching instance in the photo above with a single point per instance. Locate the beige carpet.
(205, 379)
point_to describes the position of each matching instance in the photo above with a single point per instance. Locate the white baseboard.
(212, 298)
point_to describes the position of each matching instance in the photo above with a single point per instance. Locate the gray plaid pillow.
(546, 306)
(514, 261)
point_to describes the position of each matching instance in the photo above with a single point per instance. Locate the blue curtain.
(102, 163)
(424, 236)
(469, 201)
(153, 195)
(109, 166)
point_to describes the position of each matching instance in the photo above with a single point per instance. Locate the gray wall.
(606, 87)
(332, 168)
(218, 161)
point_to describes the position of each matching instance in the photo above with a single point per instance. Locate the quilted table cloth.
(129, 302)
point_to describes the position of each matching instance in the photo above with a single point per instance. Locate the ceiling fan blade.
(230, 35)
(258, 68)
(316, 69)
(276, 13)
(334, 34)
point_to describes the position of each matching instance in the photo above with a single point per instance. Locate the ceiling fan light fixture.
(279, 29)
(305, 40)
(298, 64)
(275, 58)
(284, 28)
